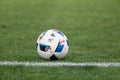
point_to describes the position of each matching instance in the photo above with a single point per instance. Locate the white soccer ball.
(52, 44)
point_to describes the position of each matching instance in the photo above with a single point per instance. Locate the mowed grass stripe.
(98, 64)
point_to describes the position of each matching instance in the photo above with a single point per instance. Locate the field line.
(98, 64)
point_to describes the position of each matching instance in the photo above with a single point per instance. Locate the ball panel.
(53, 57)
(59, 47)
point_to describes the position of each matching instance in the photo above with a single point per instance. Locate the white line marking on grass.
(98, 64)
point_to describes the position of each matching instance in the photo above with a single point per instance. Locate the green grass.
(59, 73)
(92, 27)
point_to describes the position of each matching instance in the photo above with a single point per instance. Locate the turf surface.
(92, 27)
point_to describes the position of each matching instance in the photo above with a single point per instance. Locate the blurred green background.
(92, 28)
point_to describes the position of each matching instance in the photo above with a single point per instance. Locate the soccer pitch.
(92, 28)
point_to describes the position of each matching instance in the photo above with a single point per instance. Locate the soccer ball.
(52, 44)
